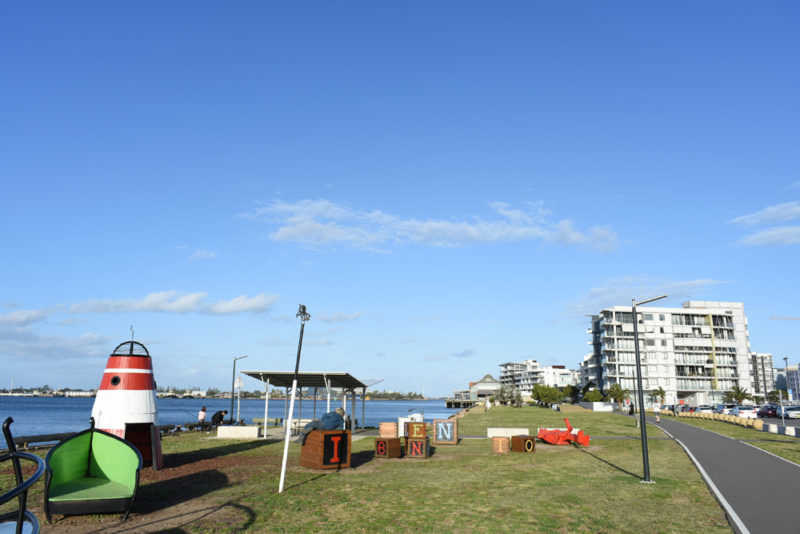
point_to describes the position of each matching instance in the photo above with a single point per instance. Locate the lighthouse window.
(115, 380)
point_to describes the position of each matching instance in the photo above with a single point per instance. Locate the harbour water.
(53, 415)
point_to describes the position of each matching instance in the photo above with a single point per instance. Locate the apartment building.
(762, 372)
(523, 375)
(695, 353)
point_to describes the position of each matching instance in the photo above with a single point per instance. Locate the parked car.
(768, 410)
(724, 409)
(704, 408)
(748, 412)
(792, 412)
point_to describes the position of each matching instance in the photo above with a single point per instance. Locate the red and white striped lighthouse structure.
(126, 401)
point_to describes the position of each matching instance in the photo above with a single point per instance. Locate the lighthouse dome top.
(131, 348)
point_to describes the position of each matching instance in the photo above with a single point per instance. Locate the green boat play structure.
(91, 472)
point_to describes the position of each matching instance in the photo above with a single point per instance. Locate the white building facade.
(523, 376)
(761, 369)
(695, 353)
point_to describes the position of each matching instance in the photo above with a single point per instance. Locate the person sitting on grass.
(330, 421)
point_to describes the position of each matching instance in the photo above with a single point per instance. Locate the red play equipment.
(560, 436)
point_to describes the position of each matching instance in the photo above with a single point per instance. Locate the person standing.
(201, 417)
(657, 413)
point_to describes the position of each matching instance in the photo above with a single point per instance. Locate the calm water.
(52, 415)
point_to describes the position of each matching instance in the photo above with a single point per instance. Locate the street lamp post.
(303, 316)
(642, 427)
(233, 382)
(786, 371)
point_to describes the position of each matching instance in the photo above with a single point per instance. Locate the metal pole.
(233, 381)
(642, 425)
(786, 371)
(640, 395)
(301, 313)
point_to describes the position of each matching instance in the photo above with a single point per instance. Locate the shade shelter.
(327, 380)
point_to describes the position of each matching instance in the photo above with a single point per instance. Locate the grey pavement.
(762, 489)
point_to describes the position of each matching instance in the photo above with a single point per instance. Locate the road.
(740, 475)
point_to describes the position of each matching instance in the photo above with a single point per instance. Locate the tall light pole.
(233, 381)
(642, 427)
(786, 371)
(304, 316)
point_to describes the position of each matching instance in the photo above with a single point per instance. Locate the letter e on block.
(416, 430)
(445, 431)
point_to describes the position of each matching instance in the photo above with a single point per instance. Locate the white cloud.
(775, 235)
(779, 235)
(202, 254)
(322, 222)
(23, 342)
(257, 304)
(784, 212)
(620, 292)
(177, 302)
(163, 301)
(340, 317)
(23, 317)
(795, 185)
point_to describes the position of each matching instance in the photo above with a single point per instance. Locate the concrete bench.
(239, 432)
(500, 432)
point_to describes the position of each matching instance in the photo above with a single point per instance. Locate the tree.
(593, 396)
(546, 395)
(618, 395)
(773, 396)
(659, 394)
(737, 395)
(571, 392)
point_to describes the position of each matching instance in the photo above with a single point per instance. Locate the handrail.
(21, 515)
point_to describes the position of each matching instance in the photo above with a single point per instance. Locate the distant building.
(788, 379)
(559, 376)
(483, 388)
(523, 376)
(695, 353)
(762, 372)
(73, 393)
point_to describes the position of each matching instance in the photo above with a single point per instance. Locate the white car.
(748, 412)
(703, 408)
(792, 412)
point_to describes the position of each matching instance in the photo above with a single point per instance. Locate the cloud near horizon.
(620, 292)
(775, 235)
(322, 223)
(178, 302)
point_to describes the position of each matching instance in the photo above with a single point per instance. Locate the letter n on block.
(445, 431)
(418, 448)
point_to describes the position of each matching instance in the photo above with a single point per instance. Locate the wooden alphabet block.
(523, 443)
(445, 431)
(326, 449)
(416, 430)
(418, 448)
(388, 448)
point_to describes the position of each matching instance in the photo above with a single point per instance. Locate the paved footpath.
(760, 492)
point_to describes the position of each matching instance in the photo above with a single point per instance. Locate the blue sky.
(445, 186)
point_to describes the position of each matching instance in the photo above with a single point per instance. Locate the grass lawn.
(460, 488)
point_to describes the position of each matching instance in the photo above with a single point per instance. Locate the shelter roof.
(307, 380)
